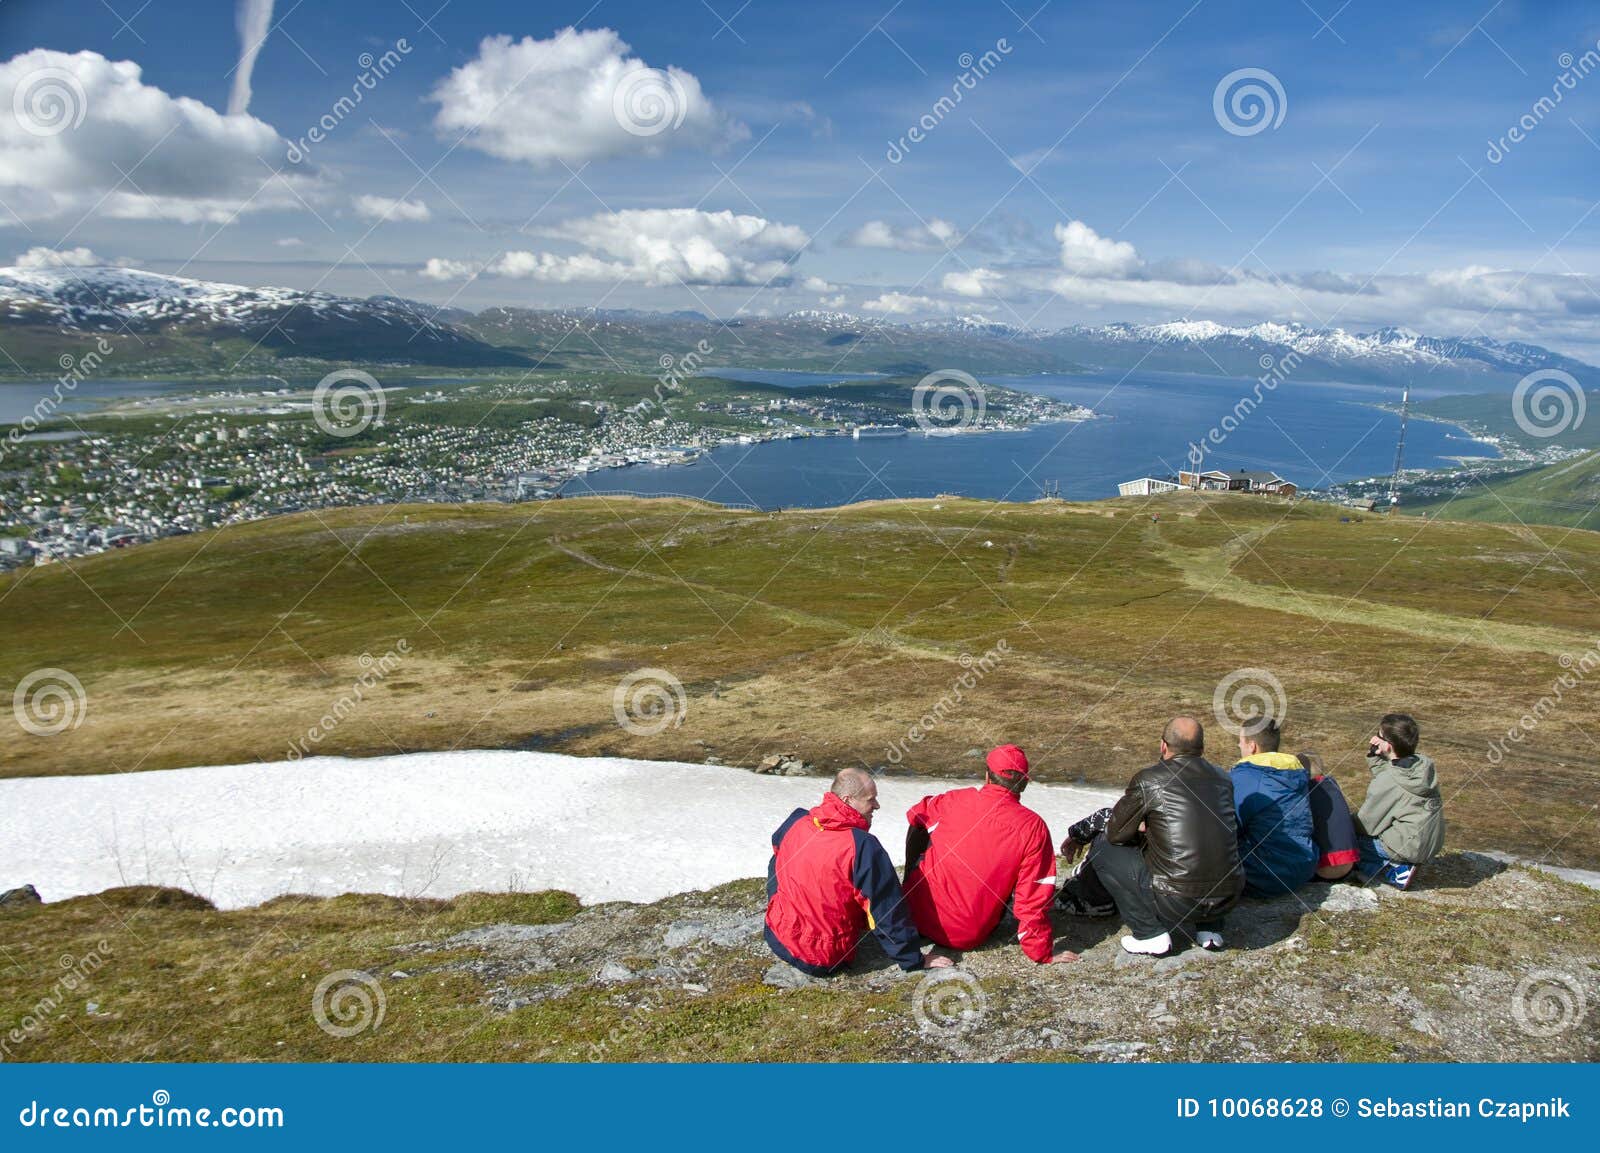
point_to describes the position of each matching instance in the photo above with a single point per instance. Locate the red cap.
(1007, 759)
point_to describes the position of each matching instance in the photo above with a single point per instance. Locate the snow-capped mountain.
(173, 323)
(130, 307)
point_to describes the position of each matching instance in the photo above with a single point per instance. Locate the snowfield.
(429, 824)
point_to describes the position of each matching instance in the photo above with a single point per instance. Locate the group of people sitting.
(1171, 857)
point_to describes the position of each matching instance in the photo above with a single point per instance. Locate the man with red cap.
(970, 851)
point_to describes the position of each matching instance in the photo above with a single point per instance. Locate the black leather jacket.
(1191, 839)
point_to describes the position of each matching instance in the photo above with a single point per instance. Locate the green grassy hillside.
(832, 632)
(1567, 493)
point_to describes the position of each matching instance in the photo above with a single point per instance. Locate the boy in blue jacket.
(1272, 793)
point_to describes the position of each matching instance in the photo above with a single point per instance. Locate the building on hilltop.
(1238, 480)
(1147, 486)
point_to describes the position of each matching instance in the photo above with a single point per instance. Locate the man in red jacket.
(970, 851)
(829, 883)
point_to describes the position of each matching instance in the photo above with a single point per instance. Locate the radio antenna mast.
(1400, 448)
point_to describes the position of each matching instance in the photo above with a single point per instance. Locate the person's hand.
(1142, 829)
(1382, 748)
(1063, 957)
(936, 961)
(1070, 848)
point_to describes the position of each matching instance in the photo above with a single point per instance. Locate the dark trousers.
(1118, 874)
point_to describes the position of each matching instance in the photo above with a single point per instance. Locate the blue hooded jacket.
(1272, 793)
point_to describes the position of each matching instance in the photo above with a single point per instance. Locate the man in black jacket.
(1168, 858)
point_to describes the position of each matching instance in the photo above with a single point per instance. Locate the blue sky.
(1085, 177)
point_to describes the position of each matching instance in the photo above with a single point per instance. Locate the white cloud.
(935, 235)
(973, 282)
(439, 268)
(817, 284)
(288, 242)
(89, 135)
(254, 21)
(1084, 252)
(901, 304)
(42, 257)
(658, 247)
(576, 97)
(391, 208)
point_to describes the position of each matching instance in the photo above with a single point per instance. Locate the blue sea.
(1312, 434)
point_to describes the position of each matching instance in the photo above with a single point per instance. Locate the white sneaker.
(1155, 946)
(1208, 940)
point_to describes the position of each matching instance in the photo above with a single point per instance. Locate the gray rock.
(507, 934)
(16, 898)
(727, 931)
(1115, 1048)
(785, 976)
(1349, 899)
(614, 973)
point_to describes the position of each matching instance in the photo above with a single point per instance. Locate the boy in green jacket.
(1401, 822)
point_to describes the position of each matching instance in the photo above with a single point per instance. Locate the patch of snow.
(429, 824)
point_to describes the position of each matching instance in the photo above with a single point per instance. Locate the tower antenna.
(1400, 448)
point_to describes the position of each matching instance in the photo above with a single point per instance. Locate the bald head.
(856, 788)
(1184, 737)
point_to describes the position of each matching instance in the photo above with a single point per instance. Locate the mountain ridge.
(181, 324)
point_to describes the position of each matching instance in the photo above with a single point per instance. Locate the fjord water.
(1312, 434)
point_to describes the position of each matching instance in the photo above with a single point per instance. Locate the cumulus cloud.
(576, 97)
(657, 246)
(935, 235)
(904, 304)
(972, 282)
(41, 257)
(391, 208)
(1084, 252)
(89, 134)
